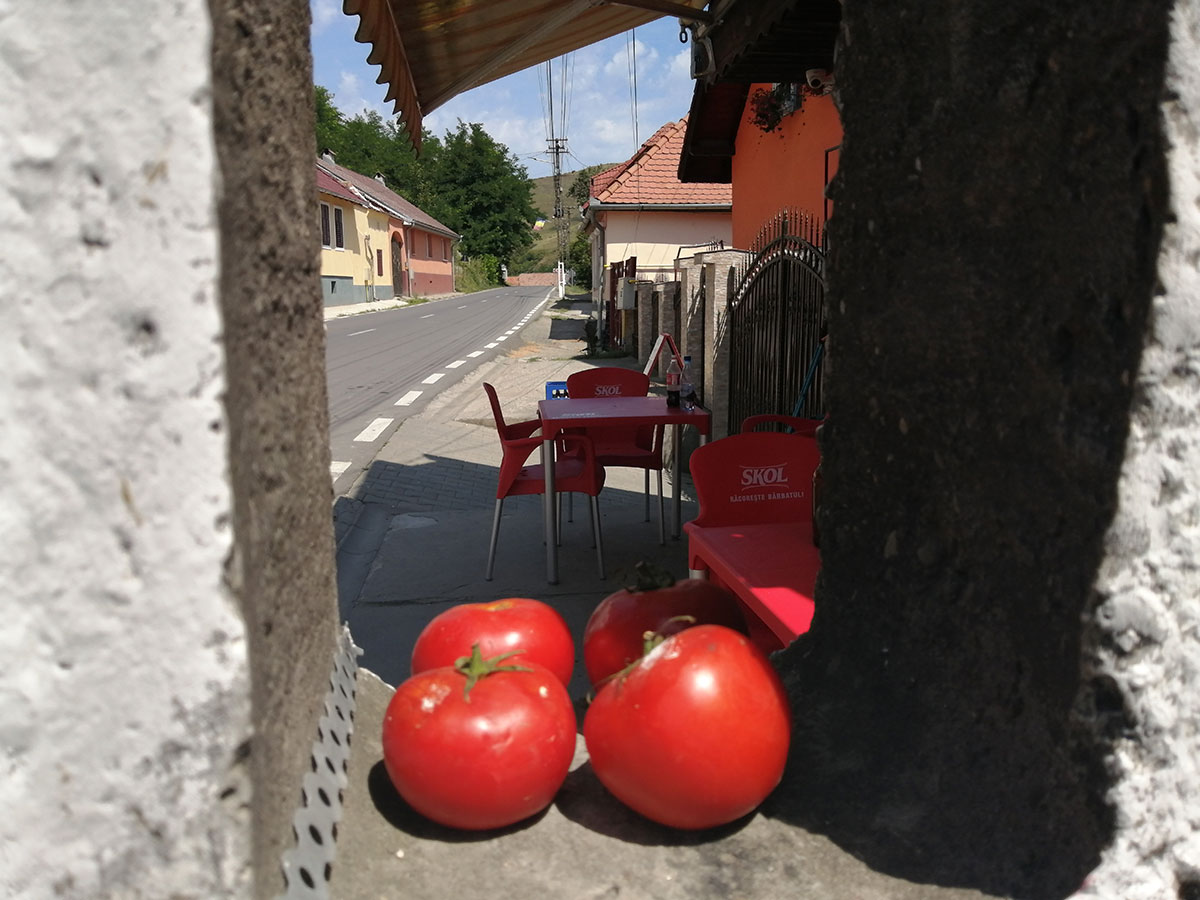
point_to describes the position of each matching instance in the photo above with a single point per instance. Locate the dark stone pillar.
(997, 216)
(282, 568)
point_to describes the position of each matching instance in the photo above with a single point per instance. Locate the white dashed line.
(430, 316)
(407, 399)
(475, 353)
(462, 307)
(503, 337)
(434, 378)
(491, 345)
(456, 364)
(374, 430)
(357, 333)
(336, 468)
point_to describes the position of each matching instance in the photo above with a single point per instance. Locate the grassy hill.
(543, 255)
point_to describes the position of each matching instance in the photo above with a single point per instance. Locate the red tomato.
(498, 627)
(480, 759)
(615, 632)
(696, 734)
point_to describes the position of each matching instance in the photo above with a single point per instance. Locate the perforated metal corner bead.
(308, 866)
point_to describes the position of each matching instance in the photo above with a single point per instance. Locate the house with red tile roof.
(641, 209)
(391, 248)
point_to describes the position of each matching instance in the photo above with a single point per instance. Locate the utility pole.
(557, 148)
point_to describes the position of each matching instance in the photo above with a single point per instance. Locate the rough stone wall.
(1143, 642)
(994, 277)
(124, 694)
(282, 567)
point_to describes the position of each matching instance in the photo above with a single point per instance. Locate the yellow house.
(417, 257)
(356, 260)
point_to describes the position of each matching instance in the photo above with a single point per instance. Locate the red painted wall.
(783, 168)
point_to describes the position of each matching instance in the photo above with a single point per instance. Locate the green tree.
(480, 190)
(579, 258)
(330, 122)
(581, 186)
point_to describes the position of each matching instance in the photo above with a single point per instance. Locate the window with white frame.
(333, 233)
(339, 234)
(326, 238)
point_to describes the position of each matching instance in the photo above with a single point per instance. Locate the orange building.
(776, 144)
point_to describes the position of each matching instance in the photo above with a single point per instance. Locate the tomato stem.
(652, 639)
(476, 667)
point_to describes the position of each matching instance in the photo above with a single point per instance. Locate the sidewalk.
(413, 538)
(422, 512)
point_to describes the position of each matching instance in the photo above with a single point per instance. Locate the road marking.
(434, 378)
(475, 353)
(430, 316)
(357, 333)
(407, 399)
(463, 307)
(491, 345)
(336, 468)
(456, 364)
(374, 430)
(503, 337)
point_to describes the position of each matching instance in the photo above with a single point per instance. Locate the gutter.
(660, 207)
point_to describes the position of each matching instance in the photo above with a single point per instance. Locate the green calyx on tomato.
(475, 667)
(652, 639)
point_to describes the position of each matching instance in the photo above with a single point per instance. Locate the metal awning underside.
(432, 50)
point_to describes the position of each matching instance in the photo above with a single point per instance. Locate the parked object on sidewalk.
(754, 531)
(634, 447)
(575, 471)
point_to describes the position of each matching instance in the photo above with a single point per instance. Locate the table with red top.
(564, 413)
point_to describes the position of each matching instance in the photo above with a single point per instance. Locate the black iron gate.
(775, 322)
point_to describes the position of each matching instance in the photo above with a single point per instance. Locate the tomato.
(694, 735)
(479, 751)
(615, 632)
(498, 627)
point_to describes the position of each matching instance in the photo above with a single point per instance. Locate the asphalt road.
(385, 366)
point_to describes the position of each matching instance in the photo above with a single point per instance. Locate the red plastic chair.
(797, 425)
(754, 530)
(635, 448)
(576, 471)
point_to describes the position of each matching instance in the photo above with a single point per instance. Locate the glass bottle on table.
(687, 387)
(674, 376)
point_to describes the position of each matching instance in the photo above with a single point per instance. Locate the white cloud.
(323, 13)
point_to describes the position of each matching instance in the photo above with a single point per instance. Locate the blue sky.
(599, 108)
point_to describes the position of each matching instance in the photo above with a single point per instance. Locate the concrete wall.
(281, 569)
(125, 714)
(1000, 685)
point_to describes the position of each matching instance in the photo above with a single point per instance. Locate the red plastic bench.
(754, 531)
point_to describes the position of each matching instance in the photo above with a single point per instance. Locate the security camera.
(819, 80)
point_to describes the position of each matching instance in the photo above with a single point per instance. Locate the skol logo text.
(763, 477)
(608, 390)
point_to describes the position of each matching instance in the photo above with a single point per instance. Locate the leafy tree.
(579, 258)
(330, 122)
(480, 190)
(581, 186)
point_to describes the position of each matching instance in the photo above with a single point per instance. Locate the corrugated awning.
(429, 51)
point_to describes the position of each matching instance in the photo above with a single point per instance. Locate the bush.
(477, 274)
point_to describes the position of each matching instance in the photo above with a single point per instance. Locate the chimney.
(328, 156)
(379, 178)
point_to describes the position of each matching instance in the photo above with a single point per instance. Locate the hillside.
(543, 255)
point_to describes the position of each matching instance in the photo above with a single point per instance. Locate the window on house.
(325, 234)
(445, 248)
(339, 233)
(378, 262)
(429, 246)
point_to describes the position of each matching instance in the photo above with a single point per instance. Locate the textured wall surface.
(277, 406)
(124, 694)
(1145, 639)
(995, 275)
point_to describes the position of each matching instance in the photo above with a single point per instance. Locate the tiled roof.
(327, 184)
(382, 195)
(652, 176)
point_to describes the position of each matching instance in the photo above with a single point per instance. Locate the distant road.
(383, 366)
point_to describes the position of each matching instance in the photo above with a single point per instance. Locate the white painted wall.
(1150, 582)
(124, 688)
(655, 237)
